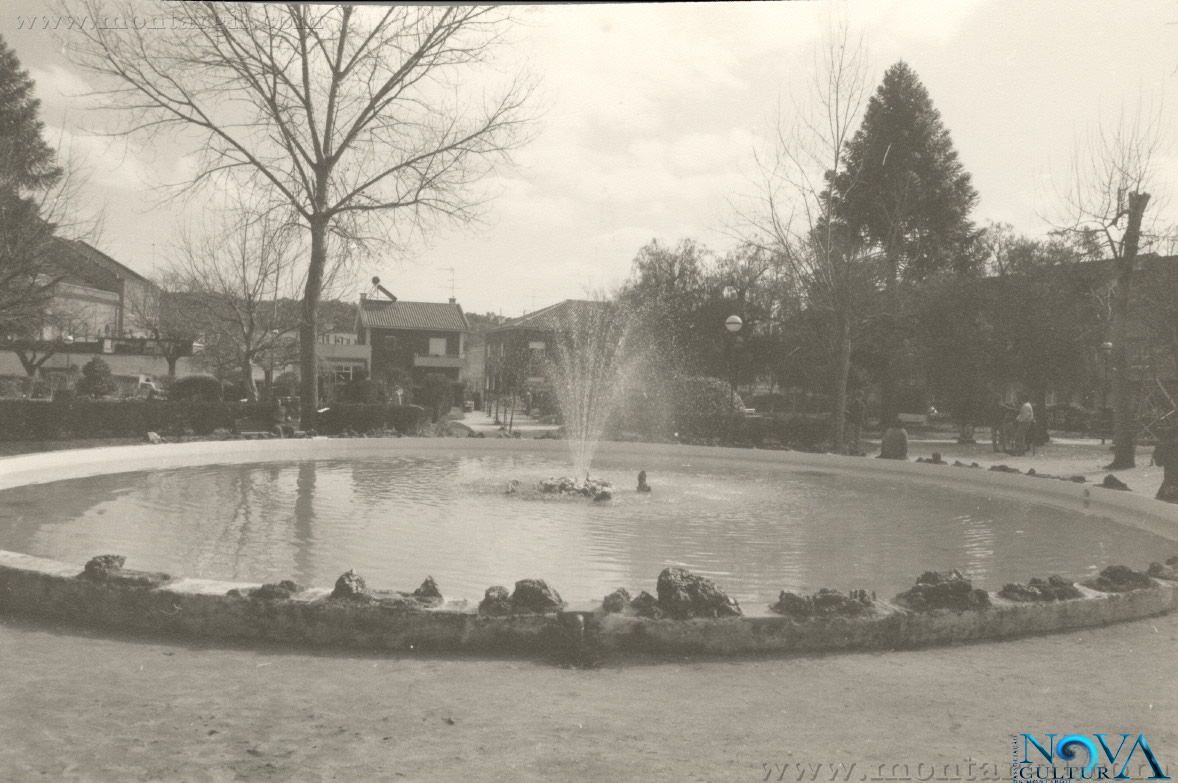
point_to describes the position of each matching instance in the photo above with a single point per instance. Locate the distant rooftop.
(82, 263)
(554, 317)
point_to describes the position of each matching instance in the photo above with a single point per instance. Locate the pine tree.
(27, 163)
(903, 190)
(902, 186)
(28, 170)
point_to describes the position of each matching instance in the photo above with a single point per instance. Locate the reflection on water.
(398, 519)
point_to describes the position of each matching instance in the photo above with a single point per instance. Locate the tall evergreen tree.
(27, 163)
(902, 187)
(903, 190)
(28, 170)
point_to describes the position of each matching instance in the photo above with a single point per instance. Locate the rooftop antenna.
(451, 270)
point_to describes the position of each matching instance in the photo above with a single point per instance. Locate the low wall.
(205, 609)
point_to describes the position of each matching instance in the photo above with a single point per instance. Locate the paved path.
(480, 421)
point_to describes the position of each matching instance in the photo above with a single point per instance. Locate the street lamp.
(1106, 348)
(69, 344)
(733, 325)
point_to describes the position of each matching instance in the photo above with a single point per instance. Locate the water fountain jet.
(589, 370)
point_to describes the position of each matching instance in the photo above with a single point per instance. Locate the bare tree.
(238, 284)
(835, 274)
(344, 114)
(1104, 203)
(161, 311)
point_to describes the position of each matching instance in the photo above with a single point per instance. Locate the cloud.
(910, 22)
(107, 161)
(61, 90)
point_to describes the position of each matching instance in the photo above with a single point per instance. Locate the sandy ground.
(80, 704)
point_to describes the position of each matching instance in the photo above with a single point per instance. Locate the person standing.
(998, 421)
(1023, 424)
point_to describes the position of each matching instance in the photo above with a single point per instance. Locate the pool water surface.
(397, 519)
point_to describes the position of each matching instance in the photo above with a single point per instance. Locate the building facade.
(96, 296)
(409, 340)
(518, 351)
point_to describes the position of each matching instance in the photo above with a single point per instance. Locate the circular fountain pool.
(396, 511)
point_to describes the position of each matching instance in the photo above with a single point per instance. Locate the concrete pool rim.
(198, 608)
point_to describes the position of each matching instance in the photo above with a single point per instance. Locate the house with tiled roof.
(517, 350)
(409, 340)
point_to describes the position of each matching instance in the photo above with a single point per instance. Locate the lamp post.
(69, 344)
(1105, 349)
(733, 325)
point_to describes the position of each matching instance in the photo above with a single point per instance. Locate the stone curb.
(202, 610)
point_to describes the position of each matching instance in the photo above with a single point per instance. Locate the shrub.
(234, 391)
(436, 393)
(362, 390)
(286, 385)
(702, 396)
(96, 380)
(202, 388)
(15, 386)
(680, 404)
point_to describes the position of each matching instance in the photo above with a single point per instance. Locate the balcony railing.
(438, 360)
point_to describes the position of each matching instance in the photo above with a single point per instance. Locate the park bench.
(253, 428)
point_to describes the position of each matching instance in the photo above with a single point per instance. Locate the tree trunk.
(1124, 420)
(247, 380)
(171, 360)
(31, 362)
(1039, 401)
(308, 359)
(889, 407)
(842, 372)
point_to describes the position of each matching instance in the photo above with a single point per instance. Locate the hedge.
(365, 417)
(84, 418)
(798, 431)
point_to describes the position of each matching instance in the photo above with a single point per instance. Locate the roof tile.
(438, 316)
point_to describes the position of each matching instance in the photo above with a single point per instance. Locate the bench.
(913, 418)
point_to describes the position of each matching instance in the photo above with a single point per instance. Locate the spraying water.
(589, 370)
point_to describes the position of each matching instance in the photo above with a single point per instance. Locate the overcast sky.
(653, 113)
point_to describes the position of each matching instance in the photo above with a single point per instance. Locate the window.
(437, 346)
(345, 372)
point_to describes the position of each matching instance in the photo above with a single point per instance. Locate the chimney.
(363, 297)
(453, 300)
